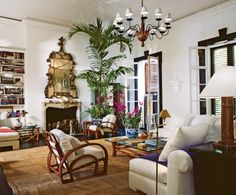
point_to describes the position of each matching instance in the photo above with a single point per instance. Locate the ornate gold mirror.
(61, 77)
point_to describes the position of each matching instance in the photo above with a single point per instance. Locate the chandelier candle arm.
(142, 31)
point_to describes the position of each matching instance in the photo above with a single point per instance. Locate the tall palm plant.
(103, 70)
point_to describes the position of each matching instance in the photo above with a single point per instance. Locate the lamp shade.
(164, 114)
(221, 84)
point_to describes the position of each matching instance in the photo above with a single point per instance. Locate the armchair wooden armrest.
(84, 156)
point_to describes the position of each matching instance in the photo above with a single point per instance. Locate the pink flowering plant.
(130, 120)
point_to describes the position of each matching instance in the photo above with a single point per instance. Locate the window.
(131, 93)
(220, 57)
(137, 89)
(210, 55)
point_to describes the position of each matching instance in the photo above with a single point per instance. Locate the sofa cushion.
(143, 167)
(7, 134)
(178, 120)
(185, 136)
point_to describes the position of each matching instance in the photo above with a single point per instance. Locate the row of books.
(11, 55)
(6, 91)
(12, 100)
(12, 69)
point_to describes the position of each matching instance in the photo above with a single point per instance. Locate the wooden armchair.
(108, 125)
(64, 159)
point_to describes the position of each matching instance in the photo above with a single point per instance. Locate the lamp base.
(225, 146)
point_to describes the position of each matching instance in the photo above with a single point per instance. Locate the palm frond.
(103, 70)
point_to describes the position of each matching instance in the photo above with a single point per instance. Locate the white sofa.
(177, 178)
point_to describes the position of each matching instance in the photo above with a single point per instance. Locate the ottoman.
(9, 137)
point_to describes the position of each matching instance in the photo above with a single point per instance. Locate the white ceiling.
(74, 11)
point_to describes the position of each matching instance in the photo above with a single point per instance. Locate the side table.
(28, 133)
(214, 170)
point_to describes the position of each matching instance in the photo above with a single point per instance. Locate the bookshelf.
(12, 70)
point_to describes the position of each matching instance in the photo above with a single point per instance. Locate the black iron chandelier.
(143, 31)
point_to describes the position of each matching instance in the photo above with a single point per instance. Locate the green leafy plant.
(100, 110)
(103, 70)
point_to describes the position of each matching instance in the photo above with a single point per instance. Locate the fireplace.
(62, 115)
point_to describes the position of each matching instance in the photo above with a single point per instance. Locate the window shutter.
(219, 60)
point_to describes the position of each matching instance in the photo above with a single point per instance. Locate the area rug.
(26, 170)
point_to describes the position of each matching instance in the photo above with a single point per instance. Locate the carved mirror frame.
(61, 77)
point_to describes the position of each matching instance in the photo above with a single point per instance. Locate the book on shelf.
(7, 80)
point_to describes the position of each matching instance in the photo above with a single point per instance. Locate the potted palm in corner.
(103, 69)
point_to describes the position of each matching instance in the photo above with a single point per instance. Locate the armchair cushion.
(97, 152)
(185, 136)
(93, 127)
(110, 119)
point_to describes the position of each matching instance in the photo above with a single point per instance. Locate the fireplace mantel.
(60, 104)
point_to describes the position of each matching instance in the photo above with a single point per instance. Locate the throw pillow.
(66, 147)
(214, 133)
(75, 142)
(203, 119)
(3, 115)
(184, 136)
(178, 121)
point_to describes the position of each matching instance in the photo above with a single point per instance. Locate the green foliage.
(131, 120)
(103, 70)
(100, 110)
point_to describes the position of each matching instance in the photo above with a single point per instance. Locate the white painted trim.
(44, 25)
(13, 49)
(224, 7)
(10, 22)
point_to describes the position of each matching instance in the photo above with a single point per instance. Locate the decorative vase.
(131, 133)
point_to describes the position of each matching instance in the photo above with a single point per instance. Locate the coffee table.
(130, 147)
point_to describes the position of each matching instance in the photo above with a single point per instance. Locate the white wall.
(39, 39)
(175, 50)
(12, 34)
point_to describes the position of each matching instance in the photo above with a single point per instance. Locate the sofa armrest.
(180, 160)
(180, 174)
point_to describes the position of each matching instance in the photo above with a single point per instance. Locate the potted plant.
(103, 70)
(130, 120)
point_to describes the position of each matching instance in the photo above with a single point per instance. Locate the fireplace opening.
(62, 118)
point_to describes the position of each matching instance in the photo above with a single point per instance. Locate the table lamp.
(223, 84)
(164, 114)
